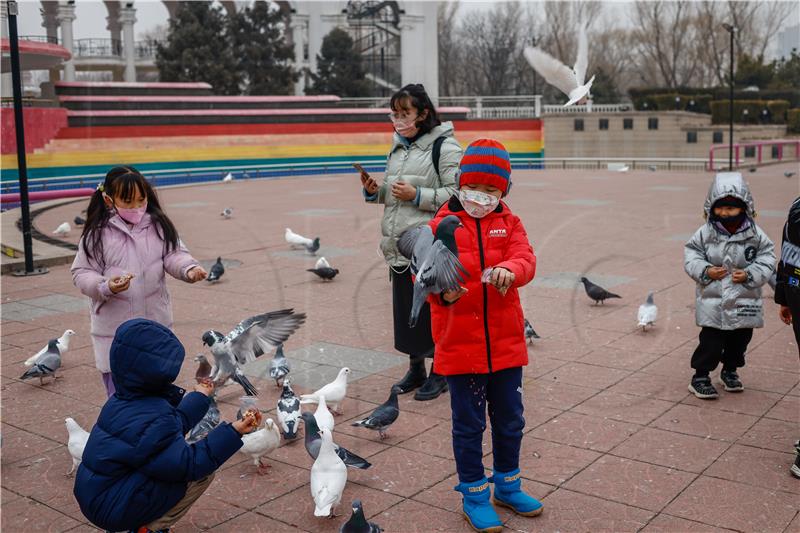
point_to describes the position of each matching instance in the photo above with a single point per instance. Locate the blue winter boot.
(508, 494)
(478, 510)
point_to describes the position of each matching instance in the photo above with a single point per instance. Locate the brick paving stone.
(665, 523)
(416, 517)
(624, 407)
(585, 431)
(670, 449)
(25, 514)
(404, 472)
(749, 402)
(754, 466)
(552, 463)
(772, 435)
(787, 408)
(254, 523)
(617, 358)
(583, 375)
(705, 422)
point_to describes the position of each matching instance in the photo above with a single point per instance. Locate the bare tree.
(450, 64)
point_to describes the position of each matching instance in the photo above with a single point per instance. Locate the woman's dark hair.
(414, 94)
(124, 182)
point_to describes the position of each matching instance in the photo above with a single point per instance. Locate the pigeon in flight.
(596, 292)
(279, 366)
(76, 443)
(358, 522)
(227, 213)
(250, 339)
(328, 477)
(434, 261)
(312, 443)
(45, 365)
(209, 421)
(648, 312)
(326, 273)
(288, 411)
(383, 416)
(298, 241)
(62, 230)
(334, 392)
(259, 443)
(217, 270)
(78, 221)
(62, 343)
(530, 333)
(570, 81)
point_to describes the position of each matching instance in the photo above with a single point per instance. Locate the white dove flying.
(328, 477)
(62, 343)
(648, 312)
(63, 229)
(568, 80)
(334, 392)
(77, 442)
(323, 417)
(259, 443)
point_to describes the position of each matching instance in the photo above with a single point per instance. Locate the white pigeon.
(63, 229)
(63, 346)
(77, 442)
(569, 81)
(298, 241)
(334, 392)
(259, 443)
(323, 417)
(228, 177)
(328, 476)
(227, 213)
(648, 312)
(322, 263)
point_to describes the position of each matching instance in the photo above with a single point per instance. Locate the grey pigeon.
(596, 292)
(358, 522)
(204, 369)
(530, 334)
(46, 364)
(62, 343)
(313, 441)
(279, 366)
(288, 411)
(434, 261)
(79, 221)
(250, 339)
(648, 312)
(789, 174)
(217, 270)
(326, 273)
(227, 213)
(752, 169)
(383, 416)
(652, 168)
(209, 421)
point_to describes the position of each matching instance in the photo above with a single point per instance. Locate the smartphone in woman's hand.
(363, 172)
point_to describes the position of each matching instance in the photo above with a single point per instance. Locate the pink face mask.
(407, 128)
(132, 215)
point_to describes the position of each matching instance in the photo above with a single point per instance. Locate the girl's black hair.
(419, 99)
(124, 182)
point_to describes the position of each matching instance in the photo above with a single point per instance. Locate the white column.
(127, 17)
(414, 55)
(299, 27)
(6, 86)
(66, 14)
(50, 25)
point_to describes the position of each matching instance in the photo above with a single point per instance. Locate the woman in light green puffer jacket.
(412, 191)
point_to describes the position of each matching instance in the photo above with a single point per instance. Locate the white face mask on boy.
(477, 204)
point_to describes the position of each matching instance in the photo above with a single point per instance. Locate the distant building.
(788, 40)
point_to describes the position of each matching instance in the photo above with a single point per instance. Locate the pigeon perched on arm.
(312, 443)
(323, 417)
(328, 477)
(259, 443)
(250, 339)
(358, 522)
(209, 421)
(279, 366)
(217, 270)
(227, 213)
(530, 334)
(46, 364)
(434, 261)
(288, 411)
(295, 240)
(334, 392)
(63, 229)
(596, 292)
(383, 416)
(76, 443)
(62, 343)
(570, 81)
(648, 312)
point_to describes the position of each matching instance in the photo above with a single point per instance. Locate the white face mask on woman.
(477, 204)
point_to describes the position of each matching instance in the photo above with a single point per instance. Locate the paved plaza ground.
(613, 440)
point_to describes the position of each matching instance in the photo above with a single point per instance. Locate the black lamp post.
(730, 29)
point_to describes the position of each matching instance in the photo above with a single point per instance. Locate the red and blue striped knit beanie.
(486, 161)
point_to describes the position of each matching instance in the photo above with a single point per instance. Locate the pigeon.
(259, 443)
(789, 174)
(63, 346)
(328, 477)
(228, 177)
(76, 443)
(334, 391)
(217, 270)
(312, 443)
(78, 221)
(279, 366)
(227, 213)
(204, 368)
(530, 334)
(434, 261)
(45, 365)
(288, 411)
(652, 168)
(597, 293)
(62, 230)
(323, 417)
(322, 263)
(295, 240)
(752, 169)
(569, 81)
(383, 416)
(358, 522)
(648, 312)
(326, 273)
(248, 340)
(209, 421)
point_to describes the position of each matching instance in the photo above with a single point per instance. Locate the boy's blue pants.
(469, 394)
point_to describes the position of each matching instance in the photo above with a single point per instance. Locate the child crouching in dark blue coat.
(138, 473)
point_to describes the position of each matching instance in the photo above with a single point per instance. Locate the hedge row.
(750, 111)
(793, 120)
(721, 93)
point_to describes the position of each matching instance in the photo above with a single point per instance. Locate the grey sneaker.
(702, 388)
(730, 380)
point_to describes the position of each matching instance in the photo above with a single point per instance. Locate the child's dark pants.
(717, 345)
(469, 394)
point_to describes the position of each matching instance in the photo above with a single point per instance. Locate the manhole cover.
(226, 262)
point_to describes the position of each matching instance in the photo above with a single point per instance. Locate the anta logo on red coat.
(499, 232)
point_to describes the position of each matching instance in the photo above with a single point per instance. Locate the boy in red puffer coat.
(479, 335)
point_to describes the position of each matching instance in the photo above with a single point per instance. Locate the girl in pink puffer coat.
(127, 245)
